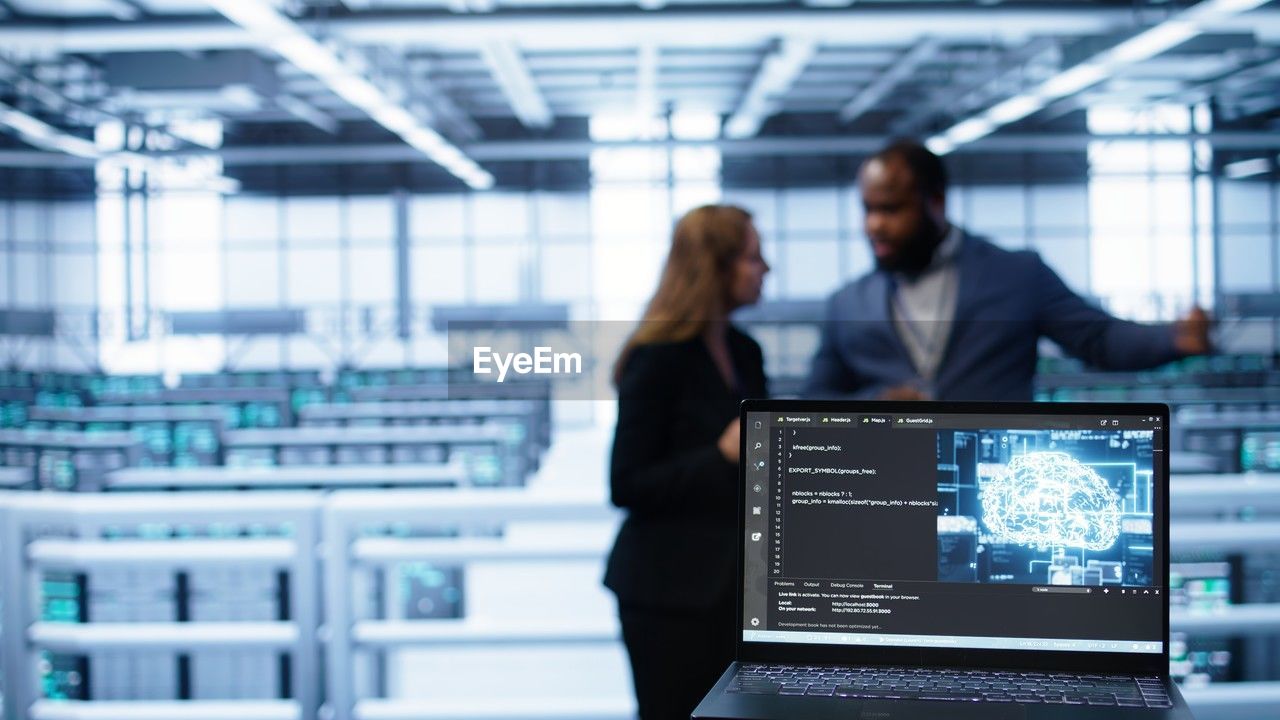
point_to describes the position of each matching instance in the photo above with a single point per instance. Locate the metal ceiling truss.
(906, 66)
(427, 75)
(595, 29)
(512, 75)
(555, 150)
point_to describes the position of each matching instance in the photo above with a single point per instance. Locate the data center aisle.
(585, 676)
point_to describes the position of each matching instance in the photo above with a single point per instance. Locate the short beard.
(917, 253)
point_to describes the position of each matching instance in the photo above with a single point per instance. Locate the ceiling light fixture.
(47, 137)
(1141, 47)
(282, 35)
(1246, 168)
(777, 74)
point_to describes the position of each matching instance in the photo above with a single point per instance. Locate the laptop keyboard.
(953, 685)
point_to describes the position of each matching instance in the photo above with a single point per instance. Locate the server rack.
(448, 474)
(167, 435)
(117, 604)
(352, 550)
(524, 414)
(492, 452)
(1231, 522)
(243, 407)
(65, 460)
(537, 391)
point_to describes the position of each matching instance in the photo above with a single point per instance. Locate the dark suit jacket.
(677, 547)
(1007, 300)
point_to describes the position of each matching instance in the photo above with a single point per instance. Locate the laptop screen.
(967, 530)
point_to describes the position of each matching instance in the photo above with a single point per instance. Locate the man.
(949, 316)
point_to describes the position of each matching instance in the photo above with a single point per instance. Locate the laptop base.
(721, 704)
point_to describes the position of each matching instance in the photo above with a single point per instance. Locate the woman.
(680, 378)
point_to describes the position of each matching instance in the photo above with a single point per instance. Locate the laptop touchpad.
(889, 710)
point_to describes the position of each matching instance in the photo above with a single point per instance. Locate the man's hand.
(1191, 333)
(903, 392)
(729, 441)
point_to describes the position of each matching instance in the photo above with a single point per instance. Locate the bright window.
(158, 254)
(637, 194)
(1141, 194)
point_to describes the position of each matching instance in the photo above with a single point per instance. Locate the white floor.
(544, 680)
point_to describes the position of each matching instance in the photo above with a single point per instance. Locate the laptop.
(951, 560)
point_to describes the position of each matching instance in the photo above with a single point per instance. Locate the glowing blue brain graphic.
(1050, 498)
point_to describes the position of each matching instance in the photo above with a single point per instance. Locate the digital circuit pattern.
(1038, 506)
(1049, 499)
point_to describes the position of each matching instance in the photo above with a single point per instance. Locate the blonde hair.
(695, 280)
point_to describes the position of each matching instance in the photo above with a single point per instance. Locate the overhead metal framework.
(455, 80)
(818, 146)
(871, 95)
(778, 72)
(1143, 46)
(349, 79)
(509, 69)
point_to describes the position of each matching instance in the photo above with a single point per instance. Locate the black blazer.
(676, 548)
